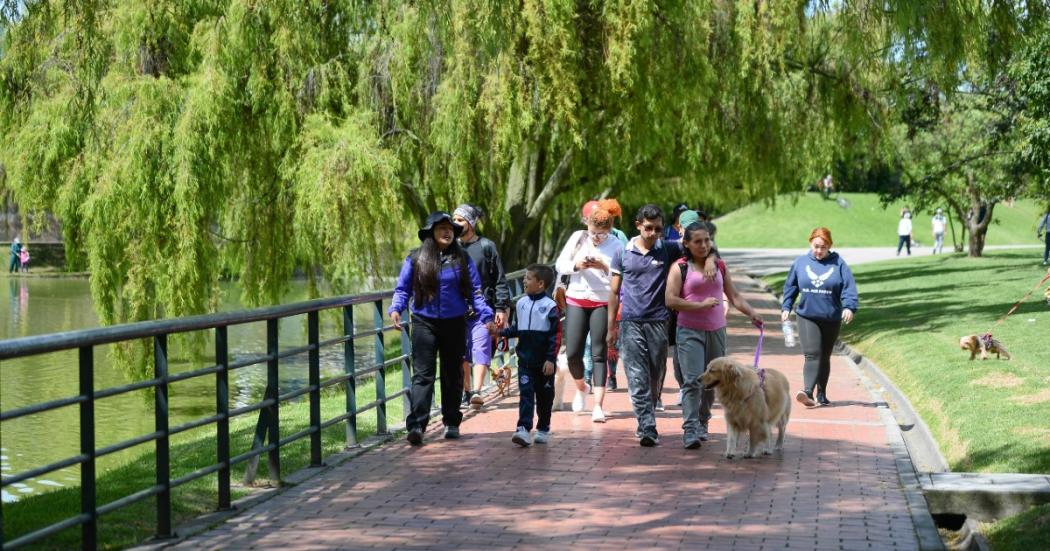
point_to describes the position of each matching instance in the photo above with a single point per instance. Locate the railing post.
(88, 530)
(380, 378)
(272, 392)
(222, 408)
(314, 356)
(351, 381)
(160, 362)
(406, 365)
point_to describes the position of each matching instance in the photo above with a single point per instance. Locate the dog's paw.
(728, 455)
(767, 452)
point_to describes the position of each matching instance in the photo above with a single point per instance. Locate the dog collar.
(761, 383)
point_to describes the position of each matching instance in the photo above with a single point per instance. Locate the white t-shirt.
(904, 226)
(590, 283)
(938, 223)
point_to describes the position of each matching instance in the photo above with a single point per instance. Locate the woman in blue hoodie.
(443, 284)
(827, 297)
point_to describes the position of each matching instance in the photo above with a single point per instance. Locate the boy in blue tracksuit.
(536, 326)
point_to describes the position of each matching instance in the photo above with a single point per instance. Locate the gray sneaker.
(702, 434)
(690, 441)
(452, 433)
(521, 437)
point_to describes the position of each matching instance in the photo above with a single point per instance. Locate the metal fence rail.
(267, 438)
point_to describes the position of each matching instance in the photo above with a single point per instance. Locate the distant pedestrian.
(439, 282)
(938, 223)
(536, 325)
(586, 258)
(697, 298)
(24, 258)
(16, 256)
(904, 231)
(497, 295)
(1044, 227)
(641, 270)
(673, 232)
(826, 297)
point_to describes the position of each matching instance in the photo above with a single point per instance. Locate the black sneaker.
(611, 385)
(415, 437)
(649, 440)
(465, 402)
(452, 433)
(822, 399)
(691, 441)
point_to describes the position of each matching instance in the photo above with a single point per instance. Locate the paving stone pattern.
(835, 486)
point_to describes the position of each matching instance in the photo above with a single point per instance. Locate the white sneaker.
(542, 437)
(598, 416)
(521, 437)
(680, 394)
(578, 402)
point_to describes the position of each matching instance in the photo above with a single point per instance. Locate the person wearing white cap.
(938, 223)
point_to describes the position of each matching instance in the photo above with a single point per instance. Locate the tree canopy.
(182, 140)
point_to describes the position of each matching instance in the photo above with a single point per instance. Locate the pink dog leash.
(761, 333)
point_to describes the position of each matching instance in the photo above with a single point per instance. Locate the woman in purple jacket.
(444, 286)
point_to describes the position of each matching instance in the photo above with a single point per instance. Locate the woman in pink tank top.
(701, 325)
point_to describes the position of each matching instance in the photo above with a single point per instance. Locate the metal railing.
(267, 438)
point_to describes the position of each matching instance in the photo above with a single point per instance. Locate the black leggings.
(578, 323)
(433, 337)
(818, 340)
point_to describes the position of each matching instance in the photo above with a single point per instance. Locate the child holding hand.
(536, 326)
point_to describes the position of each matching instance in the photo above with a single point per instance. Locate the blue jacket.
(826, 287)
(449, 302)
(536, 325)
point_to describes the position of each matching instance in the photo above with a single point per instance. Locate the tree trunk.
(976, 221)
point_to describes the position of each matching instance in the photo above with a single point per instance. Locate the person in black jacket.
(536, 326)
(497, 295)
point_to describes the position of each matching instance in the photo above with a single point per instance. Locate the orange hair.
(601, 218)
(822, 233)
(611, 205)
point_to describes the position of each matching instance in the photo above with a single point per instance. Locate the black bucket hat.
(677, 211)
(434, 219)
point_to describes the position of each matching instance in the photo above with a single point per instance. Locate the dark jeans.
(579, 322)
(1046, 249)
(432, 337)
(15, 264)
(818, 340)
(536, 393)
(902, 241)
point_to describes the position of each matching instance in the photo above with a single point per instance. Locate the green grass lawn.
(135, 523)
(1024, 532)
(987, 416)
(864, 224)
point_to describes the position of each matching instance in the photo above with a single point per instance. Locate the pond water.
(47, 305)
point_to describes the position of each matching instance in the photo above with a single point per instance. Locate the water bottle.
(789, 334)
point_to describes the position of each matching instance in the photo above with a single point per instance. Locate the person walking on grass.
(497, 295)
(1044, 228)
(586, 258)
(640, 270)
(439, 282)
(938, 223)
(536, 325)
(826, 297)
(701, 338)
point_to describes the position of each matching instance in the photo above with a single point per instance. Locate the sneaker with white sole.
(805, 398)
(598, 416)
(476, 401)
(681, 393)
(578, 402)
(659, 406)
(542, 437)
(521, 437)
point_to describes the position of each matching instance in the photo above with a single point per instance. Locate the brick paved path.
(836, 486)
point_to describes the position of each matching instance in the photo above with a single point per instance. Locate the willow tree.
(179, 141)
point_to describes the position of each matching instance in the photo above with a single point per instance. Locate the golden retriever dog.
(753, 400)
(983, 345)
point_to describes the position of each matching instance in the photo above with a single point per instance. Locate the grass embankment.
(864, 224)
(135, 523)
(987, 416)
